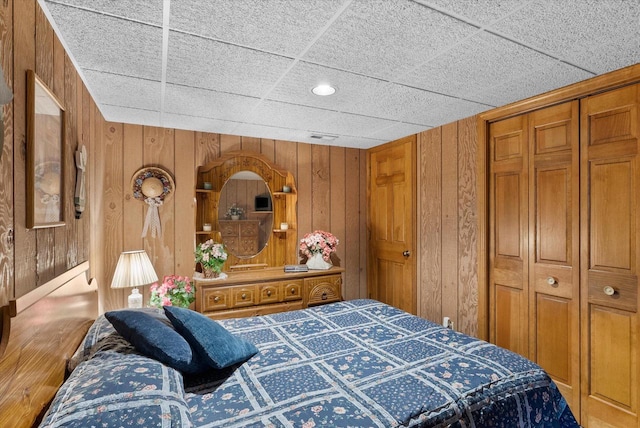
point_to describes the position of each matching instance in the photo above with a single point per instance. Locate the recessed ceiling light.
(324, 90)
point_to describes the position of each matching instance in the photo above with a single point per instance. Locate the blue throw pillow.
(214, 343)
(157, 340)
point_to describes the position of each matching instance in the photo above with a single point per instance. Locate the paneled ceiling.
(247, 67)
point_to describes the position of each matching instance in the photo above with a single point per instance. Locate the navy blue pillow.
(214, 343)
(153, 338)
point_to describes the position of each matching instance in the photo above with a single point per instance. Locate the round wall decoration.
(152, 182)
(153, 186)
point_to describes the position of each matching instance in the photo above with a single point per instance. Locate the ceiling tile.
(386, 38)
(221, 66)
(116, 45)
(147, 11)
(124, 91)
(398, 130)
(205, 103)
(195, 123)
(527, 85)
(130, 115)
(285, 27)
(314, 120)
(478, 62)
(481, 12)
(583, 32)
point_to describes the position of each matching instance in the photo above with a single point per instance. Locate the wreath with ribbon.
(154, 196)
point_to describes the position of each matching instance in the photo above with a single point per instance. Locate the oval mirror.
(245, 214)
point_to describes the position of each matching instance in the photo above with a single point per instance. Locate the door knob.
(406, 253)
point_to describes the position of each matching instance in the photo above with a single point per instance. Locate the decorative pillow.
(214, 343)
(155, 339)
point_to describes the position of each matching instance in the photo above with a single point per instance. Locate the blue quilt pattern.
(362, 363)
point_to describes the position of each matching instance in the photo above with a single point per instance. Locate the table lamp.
(134, 269)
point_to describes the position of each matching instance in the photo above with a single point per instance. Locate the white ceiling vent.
(324, 137)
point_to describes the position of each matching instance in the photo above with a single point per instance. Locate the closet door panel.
(508, 254)
(609, 272)
(554, 255)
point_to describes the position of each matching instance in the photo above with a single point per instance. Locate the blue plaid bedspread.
(362, 363)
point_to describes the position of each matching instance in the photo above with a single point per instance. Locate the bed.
(351, 363)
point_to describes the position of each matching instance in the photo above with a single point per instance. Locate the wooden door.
(391, 261)
(554, 253)
(610, 255)
(508, 234)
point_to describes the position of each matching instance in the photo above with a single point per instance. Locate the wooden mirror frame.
(282, 245)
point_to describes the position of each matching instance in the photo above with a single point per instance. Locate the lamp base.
(135, 299)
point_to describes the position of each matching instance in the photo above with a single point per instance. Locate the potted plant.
(211, 256)
(235, 212)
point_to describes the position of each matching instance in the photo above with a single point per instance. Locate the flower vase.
(235, 217)
(316, 262)
(210, 273)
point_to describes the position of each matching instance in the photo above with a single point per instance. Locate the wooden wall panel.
(429, 155)
(25, 241)
(447, 225)
(467, 227)
(6, 159)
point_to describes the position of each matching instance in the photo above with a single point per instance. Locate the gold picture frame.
(45, 155)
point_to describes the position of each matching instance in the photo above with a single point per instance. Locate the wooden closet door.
(554, 254)
(508, 234)
(610, 257)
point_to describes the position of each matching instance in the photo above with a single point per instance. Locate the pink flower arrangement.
(174, 291)
(318, 242)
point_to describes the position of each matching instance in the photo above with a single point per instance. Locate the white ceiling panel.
(203, 124)
(386, 38)
(125, 91)
(283, 27)
(479, 12)
(205, 103)
(536, 82)
(221, 66)
(116, 45)
(478, 62)
(124, 115)
(246, 67)
(146, 11)
(587, 33)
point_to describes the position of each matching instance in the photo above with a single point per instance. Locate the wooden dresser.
(266, 291)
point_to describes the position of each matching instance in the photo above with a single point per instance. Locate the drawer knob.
(324, 296)
(609, 290)
(244, 296)
(293, 291)
(216, 299)
(551, 281)
(268, 293)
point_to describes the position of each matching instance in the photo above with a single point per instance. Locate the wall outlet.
(446, 322)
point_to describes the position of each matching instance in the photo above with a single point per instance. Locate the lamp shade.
(133, 269)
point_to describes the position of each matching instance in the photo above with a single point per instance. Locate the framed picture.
(45, 156)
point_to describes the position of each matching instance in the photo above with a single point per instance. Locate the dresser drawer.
(292, 290)
(269, 292)
(243, 296)
(249, 228)
(216, 299)
(229, 228)
(322, 290)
